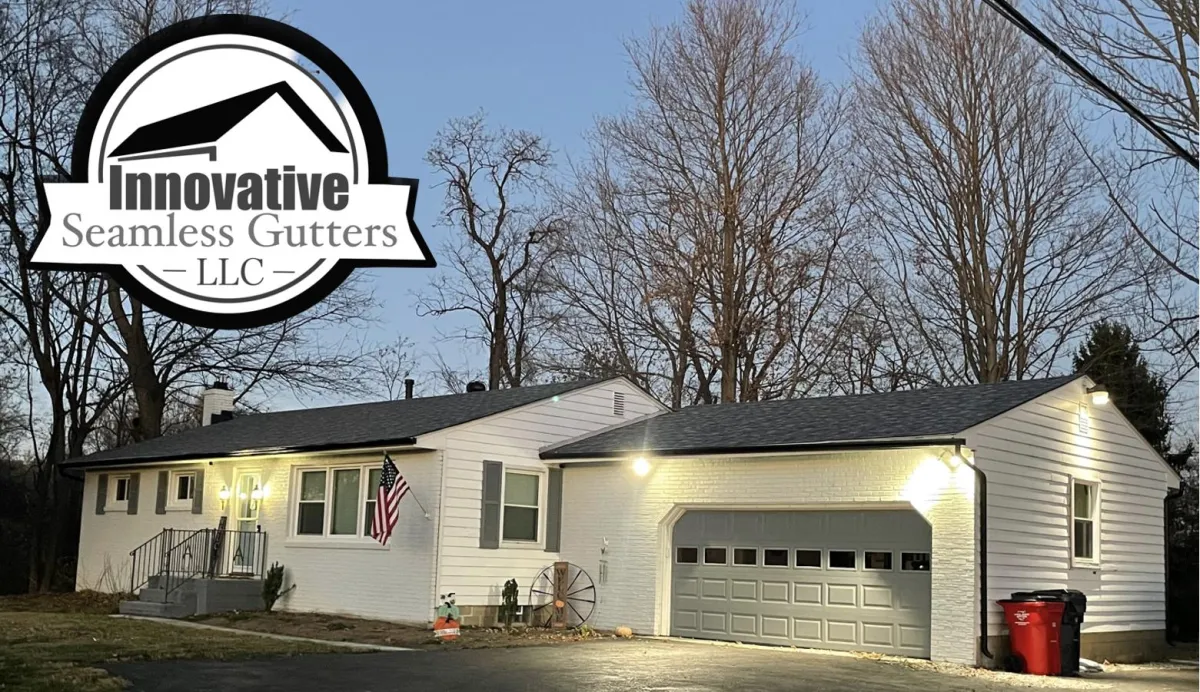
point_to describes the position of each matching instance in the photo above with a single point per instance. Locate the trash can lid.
(1074, 599)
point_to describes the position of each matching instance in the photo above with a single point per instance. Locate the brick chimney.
(218, 403)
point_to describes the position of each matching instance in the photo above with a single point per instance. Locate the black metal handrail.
(177, 557)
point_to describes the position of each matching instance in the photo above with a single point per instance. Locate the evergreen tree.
(1111, 357)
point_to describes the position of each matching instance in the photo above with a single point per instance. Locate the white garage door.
(856, 581)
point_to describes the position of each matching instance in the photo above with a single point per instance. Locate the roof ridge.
(865, 395)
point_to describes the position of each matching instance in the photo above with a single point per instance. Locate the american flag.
(392, 489)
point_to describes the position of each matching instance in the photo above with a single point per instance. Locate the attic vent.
(618, 403)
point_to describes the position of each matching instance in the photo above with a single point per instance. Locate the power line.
(1010, 13)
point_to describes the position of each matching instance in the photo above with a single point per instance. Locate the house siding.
(625, 520)
(477, 575)
(1030, 455)
(353, 578)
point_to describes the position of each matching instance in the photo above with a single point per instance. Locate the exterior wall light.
(256, 496)
(955, 461)
(1098, 394)
(224, 495)
(640, 466)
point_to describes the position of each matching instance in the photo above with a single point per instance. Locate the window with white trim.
(522, 501)
(181, 490)
(335, 501)
(1085, 520)
(118, 492)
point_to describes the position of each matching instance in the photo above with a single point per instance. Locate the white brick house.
(844, 522)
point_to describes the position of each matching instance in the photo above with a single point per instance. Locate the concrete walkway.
(269, 635)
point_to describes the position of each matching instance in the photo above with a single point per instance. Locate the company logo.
(1022, 616)
(229, 171)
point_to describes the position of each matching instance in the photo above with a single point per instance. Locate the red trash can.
(1033, 631)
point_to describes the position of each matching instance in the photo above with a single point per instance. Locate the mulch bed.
(92, 602)
(348, 629)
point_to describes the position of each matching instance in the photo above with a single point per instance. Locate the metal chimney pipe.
(408, 387)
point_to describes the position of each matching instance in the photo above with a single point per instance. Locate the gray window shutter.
(198, 493)
(160, 500)
(489, 517)
(554, 510)
(101, 492)
(133, 491)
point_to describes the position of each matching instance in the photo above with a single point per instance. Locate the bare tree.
(996, 238)
(1147, 50)
(165, 358)
(51, 322)
(502, 246)
(709, 228)
(389, 366)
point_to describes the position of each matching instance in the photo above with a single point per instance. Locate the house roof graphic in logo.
(197, 131)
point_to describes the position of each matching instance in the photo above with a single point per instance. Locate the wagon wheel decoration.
(562, 595)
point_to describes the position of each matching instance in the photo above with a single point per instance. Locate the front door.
(245, 541)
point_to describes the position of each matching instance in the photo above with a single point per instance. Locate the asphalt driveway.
(601, 666)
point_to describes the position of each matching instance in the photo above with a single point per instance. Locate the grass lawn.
(60, 651)
(350, 629)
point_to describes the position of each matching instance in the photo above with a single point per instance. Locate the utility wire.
(1010, 13)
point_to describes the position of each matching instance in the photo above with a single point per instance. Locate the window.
(336, 501)
(182, 489)
(841, 559)
(687, 556)
(715, 556)
(745, 557)
(1085, 505)
(520, 506)
(310, 517)
(345, 502)
(369, 503)
(808, 558)
(118, 491)
(877, 559)
(775, 557)
(914, 562)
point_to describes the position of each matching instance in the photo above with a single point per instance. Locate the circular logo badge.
(229, 171)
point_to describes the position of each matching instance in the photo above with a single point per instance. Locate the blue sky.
(549, 67)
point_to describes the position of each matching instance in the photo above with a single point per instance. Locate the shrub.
(508, 603)
(273, 586)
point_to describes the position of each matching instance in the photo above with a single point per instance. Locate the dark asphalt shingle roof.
(762, 426)
(333, 427)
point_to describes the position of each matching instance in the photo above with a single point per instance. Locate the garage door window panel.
(842, 559)
(914, 562)
(775, 557)
(716, 556)
(808, 558)
(877, 560)
(745, 557)
(687, 556)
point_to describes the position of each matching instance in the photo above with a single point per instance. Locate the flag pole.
(387, 455)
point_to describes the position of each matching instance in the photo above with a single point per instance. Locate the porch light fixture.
(256, 495)
(954, 461)
(1099, 395)
(640, 466)
(224, 495)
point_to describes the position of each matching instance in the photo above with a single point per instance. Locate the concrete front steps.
(195, 597)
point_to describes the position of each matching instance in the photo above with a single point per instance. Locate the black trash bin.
(1073, 610)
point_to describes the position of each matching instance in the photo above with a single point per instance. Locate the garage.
(848, 580)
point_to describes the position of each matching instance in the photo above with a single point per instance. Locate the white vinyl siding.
(515, 439)
(1031, 454)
